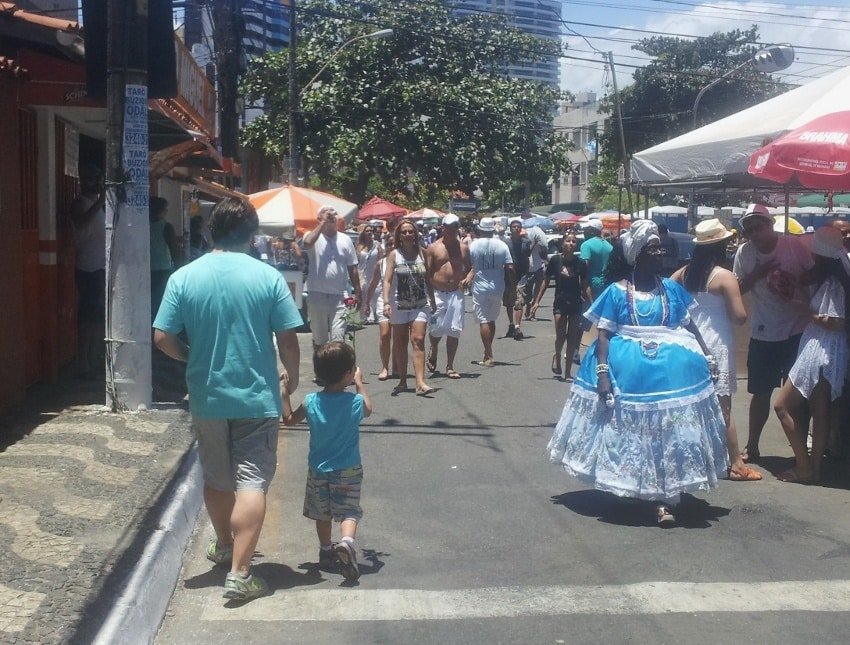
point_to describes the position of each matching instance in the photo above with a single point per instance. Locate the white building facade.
(581, 121)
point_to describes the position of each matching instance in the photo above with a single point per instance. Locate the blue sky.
(820, 32)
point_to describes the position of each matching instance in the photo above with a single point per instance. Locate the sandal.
(453, 374)
(556, 364)
(664, 516)
(382, 375)
(746, 474)
(398, 389)
(425, 391)
(431, 364)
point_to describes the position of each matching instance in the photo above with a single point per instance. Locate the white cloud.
(818, 30)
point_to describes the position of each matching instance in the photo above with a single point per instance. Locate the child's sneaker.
(347, 560)
(238, 588)
(327, 558)
(219, 554)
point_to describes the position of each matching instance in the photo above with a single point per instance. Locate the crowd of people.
(649, 412)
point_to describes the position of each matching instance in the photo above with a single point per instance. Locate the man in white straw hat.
(769, 265)
(491, 266)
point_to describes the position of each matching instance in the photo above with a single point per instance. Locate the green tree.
(659, 104)
(426, 110)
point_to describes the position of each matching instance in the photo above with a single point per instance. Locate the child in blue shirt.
(335, 473)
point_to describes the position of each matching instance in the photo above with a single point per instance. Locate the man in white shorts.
(333, 263)
(491, 266)
(447, 263)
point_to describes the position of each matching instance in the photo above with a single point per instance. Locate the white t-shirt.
(489, 255)
(330, 258)
(536, 234)
(773, 319)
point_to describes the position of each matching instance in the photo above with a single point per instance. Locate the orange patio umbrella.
(294, 208)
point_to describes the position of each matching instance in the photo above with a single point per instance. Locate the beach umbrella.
(379, 208)
(816, 155)
(544, 223)
(564, 216)
(292, 208)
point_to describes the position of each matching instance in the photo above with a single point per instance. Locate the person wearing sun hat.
(719, 307)
(770, 266)
(817, 377)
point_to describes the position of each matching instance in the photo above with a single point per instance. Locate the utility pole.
(293, 98)
(228, 31)
(128, 314)
(620, 126)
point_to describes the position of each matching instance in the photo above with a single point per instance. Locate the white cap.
(376, 223)
(451, 220)
(756, 210)
(489, 224)
(594, 223)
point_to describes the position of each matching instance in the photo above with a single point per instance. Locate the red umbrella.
(816, 154)
(377, 208)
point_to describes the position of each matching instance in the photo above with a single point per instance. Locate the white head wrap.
(640, 233)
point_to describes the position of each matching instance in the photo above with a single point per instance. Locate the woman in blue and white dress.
(643, 419)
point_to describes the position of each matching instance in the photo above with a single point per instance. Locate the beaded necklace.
(634, 314)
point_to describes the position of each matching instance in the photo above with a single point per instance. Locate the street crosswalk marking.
(644, 598)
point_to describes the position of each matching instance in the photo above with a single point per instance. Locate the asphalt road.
(471, 536)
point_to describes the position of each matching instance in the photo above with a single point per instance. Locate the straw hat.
(710, 231)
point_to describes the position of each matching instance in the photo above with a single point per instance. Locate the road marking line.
(643, 598)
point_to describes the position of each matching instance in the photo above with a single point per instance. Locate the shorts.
(407, 316)
(447, 320)
(334, 495)
(523, 293)
(486, 306)
(768, 363)
(91, 288)
(237, 454)
(325, 311)
(566, 308)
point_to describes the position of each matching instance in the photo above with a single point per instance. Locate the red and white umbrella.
(816, 154)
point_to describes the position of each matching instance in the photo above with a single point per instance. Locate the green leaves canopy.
(426, 108)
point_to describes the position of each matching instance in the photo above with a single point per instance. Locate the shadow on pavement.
(834, 470)
(691, 513)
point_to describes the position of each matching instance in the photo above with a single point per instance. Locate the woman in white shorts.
(406, 293)
(384, 328)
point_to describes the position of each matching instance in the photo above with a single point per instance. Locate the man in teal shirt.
(595, 251)
(230, 306)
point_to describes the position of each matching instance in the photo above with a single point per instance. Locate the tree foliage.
(426, 110)
(659, 104)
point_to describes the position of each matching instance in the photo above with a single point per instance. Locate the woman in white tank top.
(718, 306)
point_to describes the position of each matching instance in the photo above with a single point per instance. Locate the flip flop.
(431, 365)
(746, 475)
(793, 478)
(424, 391)
(556, 367)
(398, 389)
(382, 376)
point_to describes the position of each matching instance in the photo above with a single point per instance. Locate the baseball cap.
(451, 220)
(376, 223)
(593, 223)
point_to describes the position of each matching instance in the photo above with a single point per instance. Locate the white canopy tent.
(719, 152)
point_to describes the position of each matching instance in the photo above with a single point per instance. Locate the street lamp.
(294, 95)
(767, 60)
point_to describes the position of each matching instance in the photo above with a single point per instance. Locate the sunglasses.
(408, 233)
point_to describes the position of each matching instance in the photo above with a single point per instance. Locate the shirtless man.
(446, 263)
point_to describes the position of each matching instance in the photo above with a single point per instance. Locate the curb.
(136, 615)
